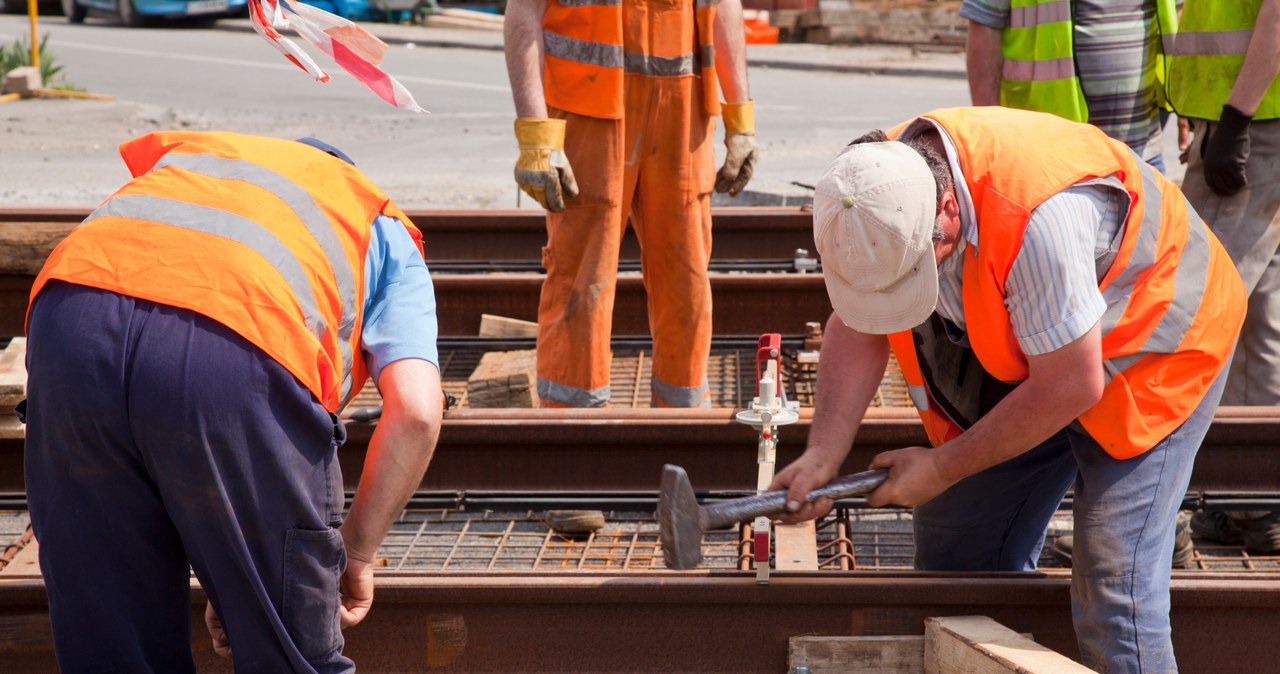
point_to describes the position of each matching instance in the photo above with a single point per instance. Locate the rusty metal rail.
(750, 233)
(703, 622)
(745, 304)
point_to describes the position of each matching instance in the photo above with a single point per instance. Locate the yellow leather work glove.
(542, 170)
(740, 143)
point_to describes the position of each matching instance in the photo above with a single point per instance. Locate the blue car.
(135, 13)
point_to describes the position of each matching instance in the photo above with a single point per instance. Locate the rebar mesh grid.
(868, 540)
(731, 378)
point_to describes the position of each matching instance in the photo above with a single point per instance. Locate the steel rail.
(740, 233)
(702, 621)
(744, 304)
(623, 450)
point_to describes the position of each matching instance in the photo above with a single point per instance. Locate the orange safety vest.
(263, 235)
(584, 59)
(1175, 303)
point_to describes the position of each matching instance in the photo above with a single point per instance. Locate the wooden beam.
(501, 326)
(980, 645)
(504, 379)
(857, 655)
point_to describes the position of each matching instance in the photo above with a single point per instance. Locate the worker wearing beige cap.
(1063, 318)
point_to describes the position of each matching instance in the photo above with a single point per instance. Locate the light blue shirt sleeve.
(400, 302)
(1052, 290)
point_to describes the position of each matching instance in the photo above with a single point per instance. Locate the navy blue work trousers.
(160, 442)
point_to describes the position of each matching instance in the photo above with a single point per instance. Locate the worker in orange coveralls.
(615, 102)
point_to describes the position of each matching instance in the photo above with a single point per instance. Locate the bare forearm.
(1261, 61)
(399, 452)
(522, 43)
(731, 51)
(984, 63)
(850, 370)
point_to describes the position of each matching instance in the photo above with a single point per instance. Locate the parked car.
(136, 12)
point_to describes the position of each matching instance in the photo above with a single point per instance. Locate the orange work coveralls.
(656, 164)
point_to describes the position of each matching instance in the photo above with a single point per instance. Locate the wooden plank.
(796, 547)
(504, 379)
(11, 428)
(857, 655)
(26, 562)
(980, 645)
(27, 244)
(501, 326)
(26, 631)
(13, 369)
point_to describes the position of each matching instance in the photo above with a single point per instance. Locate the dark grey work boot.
(1183, 550)
(1256, 531)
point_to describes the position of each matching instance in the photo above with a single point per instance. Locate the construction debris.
(574, 521)
(13, 387)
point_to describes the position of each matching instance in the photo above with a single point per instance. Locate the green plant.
(17, 54)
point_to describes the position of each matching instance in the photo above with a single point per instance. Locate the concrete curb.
(399, 36)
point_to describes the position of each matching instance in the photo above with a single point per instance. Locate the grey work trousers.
(1248, 225)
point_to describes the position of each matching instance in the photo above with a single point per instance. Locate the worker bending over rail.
(1063, 318)
(190, 346)
(616, 102)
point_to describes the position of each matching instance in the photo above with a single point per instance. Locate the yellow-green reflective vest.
(1207, 55)
(1039, 57)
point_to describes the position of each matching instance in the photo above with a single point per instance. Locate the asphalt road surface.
(62, 153)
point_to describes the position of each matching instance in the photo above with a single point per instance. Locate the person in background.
(1095, 61)
(189, 348)
(615, 103)
(1225, 77)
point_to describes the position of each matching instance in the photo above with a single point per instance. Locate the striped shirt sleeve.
(1052, 290)
(990, 13)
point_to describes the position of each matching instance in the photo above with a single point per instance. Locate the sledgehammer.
(681, 521)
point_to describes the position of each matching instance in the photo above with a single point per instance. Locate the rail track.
(460, 242)
(475, 582)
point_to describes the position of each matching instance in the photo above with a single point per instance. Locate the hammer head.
(679, 520)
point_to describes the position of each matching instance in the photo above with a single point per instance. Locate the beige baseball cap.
(873, 218)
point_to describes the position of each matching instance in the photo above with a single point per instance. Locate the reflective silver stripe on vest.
(1190, 273)
(680, 396)
(1216, 43)
(228, 226)
(571, 396)
(589, 3)
(309, 212)
(919, 397)
(1190, 279)
(658, 66)
(1111, 368)
(708, 56)
(1045, 12)
(700, 4)
(1039, 71)
(581, 51)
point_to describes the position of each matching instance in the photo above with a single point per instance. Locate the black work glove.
(1225, 152)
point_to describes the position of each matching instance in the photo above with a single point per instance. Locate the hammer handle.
(724, 513)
